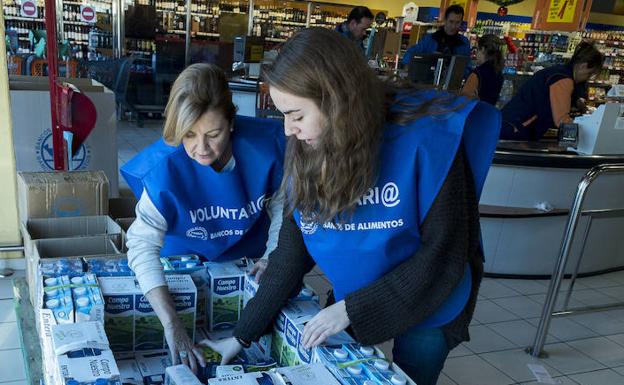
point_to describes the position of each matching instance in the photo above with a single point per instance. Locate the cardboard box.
(129, 372)
(180, 375)
(225, 294)
(69, 227)
(130, 321)
(55, 250)
(62, 194)
(32, 136)
(153, 366)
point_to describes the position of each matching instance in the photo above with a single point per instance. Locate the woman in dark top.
(381, 190)
(485, 81)
(546, 99)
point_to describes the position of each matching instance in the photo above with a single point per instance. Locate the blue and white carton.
(225, 294)
(180, 375)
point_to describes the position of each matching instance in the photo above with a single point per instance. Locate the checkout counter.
(530, 189)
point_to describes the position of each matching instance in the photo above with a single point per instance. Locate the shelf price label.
(87, 14)
(29, 9)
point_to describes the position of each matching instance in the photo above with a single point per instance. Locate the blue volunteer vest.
(218, 215)
(384, 230)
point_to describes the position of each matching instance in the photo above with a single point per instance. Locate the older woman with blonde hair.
(202, 190)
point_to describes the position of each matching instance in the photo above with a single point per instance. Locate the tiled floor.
(585, 349)
(12, 370)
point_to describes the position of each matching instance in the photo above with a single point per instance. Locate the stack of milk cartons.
(224, 297)
(76, 299)
(130, 321)
(354, 364)
(191, 264)
(81, 355)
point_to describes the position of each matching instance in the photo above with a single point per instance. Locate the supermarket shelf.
(20, 18)
(275, 39)
(209, 34)
(282, 22)
(147, 53)
(78, 23)
(208, 15)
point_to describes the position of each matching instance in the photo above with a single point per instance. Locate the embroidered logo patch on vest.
(197, 232)
(307, 226)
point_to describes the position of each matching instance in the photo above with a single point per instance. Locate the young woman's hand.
(258, 268)
(326, 323)
(228, 348)
(183, 351)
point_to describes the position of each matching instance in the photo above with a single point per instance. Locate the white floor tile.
(491, 289)
(460, 351)
(559, 380)
(6, 288)
(444, 380)
(520, 332)
(514, 364)
(565, 329)
(488, 312)
(599, 377)
(603, 323)
(541, 299)
(617, 292)
(520, 306)
(568, 360)
(473, 370)
(597, 281)
(484, 340)
(617, 276)
(617, 338)
(7, 310)
(526, 287)
(20, 382)
(601, 349)
(12, 365)
(9, 336)
(594, 297)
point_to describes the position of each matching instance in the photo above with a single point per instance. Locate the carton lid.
(224, 269)
(75, 336)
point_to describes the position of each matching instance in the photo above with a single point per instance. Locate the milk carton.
(191, 264)
(82, 355)
(295, 315)
(87, 297)
(180, 375)
(152, 366)
(57, 297)
(225, 294)
(118, 294)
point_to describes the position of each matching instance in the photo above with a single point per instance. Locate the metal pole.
(250, 17)
(5, 249)
(58, 143)
(566, 303)
(309, 15)
(566, 245)
(119, 33)
(187, 41)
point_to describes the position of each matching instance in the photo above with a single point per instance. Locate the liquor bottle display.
(277, 23)
(21, 26)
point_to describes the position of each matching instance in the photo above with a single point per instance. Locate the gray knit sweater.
(407, 294)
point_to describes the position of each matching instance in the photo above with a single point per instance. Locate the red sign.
(87, 14)
(29, 9)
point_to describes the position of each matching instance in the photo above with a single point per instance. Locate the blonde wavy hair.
(325, 183)
(199, 88)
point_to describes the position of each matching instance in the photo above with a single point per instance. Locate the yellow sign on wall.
(561, 11)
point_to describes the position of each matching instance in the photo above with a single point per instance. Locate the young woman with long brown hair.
(381, 189)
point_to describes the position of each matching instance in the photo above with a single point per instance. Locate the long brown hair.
(324, 183)
(492, 46)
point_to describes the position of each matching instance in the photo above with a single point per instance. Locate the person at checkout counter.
(485, 81)
(446, 40)
(396, 263)
(545, 100)
(359, 20)
(207, 163)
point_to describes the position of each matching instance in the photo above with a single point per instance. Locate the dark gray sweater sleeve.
(288, 263)
(414, 289)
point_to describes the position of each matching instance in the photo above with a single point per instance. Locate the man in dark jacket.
(358, 21)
